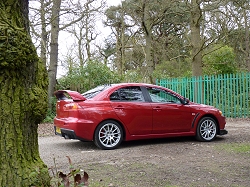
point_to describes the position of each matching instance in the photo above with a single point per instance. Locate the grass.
(235, 147)
(124, 174)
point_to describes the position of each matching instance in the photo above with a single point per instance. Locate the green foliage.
(84, 78)
(166, 22)
(173, 69)
(220, 61)
(39, 177)
(51, 112)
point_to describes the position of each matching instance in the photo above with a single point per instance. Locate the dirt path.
(161, 162)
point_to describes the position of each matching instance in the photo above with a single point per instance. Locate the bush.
(51, 112)
(84, 78)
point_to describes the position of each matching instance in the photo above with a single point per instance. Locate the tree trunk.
(80, 51)
(54, 47)
(196, 57)
(147, 26)
(23, 99)
(118, 59)
(247, 41)
(87, 29)
(149, 58)
(122, 43)
(44, 34)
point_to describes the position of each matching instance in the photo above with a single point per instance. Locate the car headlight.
(220, 113)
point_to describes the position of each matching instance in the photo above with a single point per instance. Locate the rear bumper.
(74, 128)
(67, 134)
(222, 132)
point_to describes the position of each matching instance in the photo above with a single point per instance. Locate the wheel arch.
(213, 117)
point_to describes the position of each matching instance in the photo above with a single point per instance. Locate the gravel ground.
(45, 129)
(162, 162)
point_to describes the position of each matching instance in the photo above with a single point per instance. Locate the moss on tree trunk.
(23, 100)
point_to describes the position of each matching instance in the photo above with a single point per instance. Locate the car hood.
(197, 105)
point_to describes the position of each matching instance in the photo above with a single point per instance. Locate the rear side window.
(95, 91)
(129, 94)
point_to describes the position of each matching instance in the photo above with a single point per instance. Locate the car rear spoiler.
(76, 96)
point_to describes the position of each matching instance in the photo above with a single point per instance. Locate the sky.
(113, 2)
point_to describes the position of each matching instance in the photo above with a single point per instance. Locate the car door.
(169, 114)
(132, 110)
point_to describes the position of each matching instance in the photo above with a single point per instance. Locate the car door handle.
(157, 108)
(119, 107)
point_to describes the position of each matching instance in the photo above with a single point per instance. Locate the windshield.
(93, 92)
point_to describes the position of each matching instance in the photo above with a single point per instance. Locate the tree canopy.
(151, 37)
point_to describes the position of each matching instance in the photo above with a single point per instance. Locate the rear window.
(95, 91)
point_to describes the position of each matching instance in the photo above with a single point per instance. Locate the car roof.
(133, 84)
(113, 87)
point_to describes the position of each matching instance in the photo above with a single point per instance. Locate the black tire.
(206, 129)
(108, 135)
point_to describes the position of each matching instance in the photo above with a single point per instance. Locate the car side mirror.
(185, 101)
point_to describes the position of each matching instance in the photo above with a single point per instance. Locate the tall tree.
(154, 23)
(244, 46)
(116, 20)
(52, 71)
(39, 22)
(235, 29)
(23, 99)
(48, 21)
(247, 38)
(196, 42)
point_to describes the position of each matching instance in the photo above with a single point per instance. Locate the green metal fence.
(230, 92)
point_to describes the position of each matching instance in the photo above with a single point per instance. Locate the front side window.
(130, 94)
(162, 96)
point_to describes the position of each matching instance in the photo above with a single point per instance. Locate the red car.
(110, 114)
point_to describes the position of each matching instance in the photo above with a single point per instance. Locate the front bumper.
(222, 132)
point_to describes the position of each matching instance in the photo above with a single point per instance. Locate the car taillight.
(71, 106)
